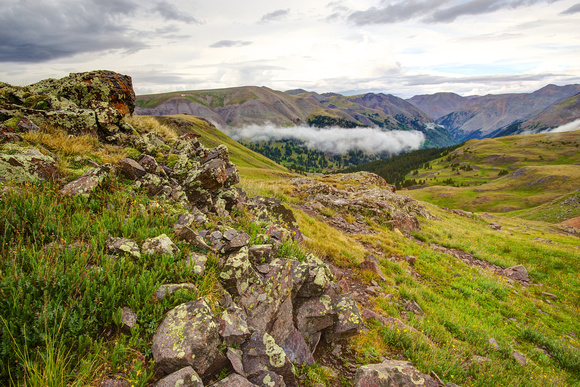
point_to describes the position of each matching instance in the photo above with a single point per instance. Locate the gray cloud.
(276, 15)
(335, 140)
(37, 31)
(434, 11)
(170, 12)
(230, 43)
(572, 10)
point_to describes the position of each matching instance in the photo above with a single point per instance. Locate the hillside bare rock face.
(83, 103)
(361, 196)
(392, 373)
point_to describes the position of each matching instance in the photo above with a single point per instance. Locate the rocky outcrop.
(27, 165)
(364, 195)
(82, 103)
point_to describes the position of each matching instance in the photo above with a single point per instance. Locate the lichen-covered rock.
(349, 321)
(316, 274)
(392, 373)
(234, 380)
(312, 315)
(188, 219)
(120, 246)
(27, 166)
(188, 336)
(260, 254)
(185, 377)
(197, 263)
(262, 356)
(161, 244)
(88, 182)
(297, 349)
(371, 263)
(131, 169)
(272, 211)
(267, 301)
(168, 289)
(233, 327)
(237, 272)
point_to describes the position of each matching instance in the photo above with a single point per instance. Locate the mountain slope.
(248, 105)
(480, 117)
(556, 115)
(439, 104)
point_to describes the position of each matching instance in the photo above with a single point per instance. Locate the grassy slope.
(464, 306)
(542, 169)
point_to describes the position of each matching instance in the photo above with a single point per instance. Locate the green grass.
(474, 177)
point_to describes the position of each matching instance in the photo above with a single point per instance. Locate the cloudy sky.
(402, 47)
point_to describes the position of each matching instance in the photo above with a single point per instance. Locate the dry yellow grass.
(151, 124)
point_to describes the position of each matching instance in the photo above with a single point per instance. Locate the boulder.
(316, 274)
(88, 182)
(128, 318)
(519, 358)
(28, 166)
(517, 273)
(234, 380)
(188, 336)
(235, 355)
(185, 377)
(131, 169)
(349, 321)
(297, 349)
(392, 373)
(265, 362)
(312, 315)
(233, 327)
(272, 211)
(159, 245)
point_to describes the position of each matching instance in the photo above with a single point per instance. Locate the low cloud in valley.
(334, 140)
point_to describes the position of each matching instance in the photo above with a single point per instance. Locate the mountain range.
(444, 118)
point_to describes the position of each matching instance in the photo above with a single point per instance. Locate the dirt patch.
(573, 222)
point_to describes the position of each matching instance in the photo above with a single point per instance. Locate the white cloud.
(335, 140)
(569, 127)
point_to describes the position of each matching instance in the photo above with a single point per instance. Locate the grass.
(543, 169)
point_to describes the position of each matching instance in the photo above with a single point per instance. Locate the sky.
(399, 47)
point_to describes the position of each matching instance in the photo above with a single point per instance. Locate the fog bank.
(334, 140)
(569, 127)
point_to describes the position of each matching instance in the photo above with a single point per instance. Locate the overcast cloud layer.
(335, 140)
(402, 47)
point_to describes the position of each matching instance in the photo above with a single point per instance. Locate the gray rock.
(28, 166)
(297, 350)
(317, 276)
(520, 358)
(197, 263)
(185, 377)
(261, 253)
(88, 182)
(188, 336)
(371, 263)
(392, 373)
(159, 245)
(233, 326)
(234, 380)
(413, 306)
(128, 318)
(264, 360)
(518, 273)
(149, 163)
(131, 169)
(235, 357)
(349, 322)
(120, 246)
(493, 343)
(312, 315)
